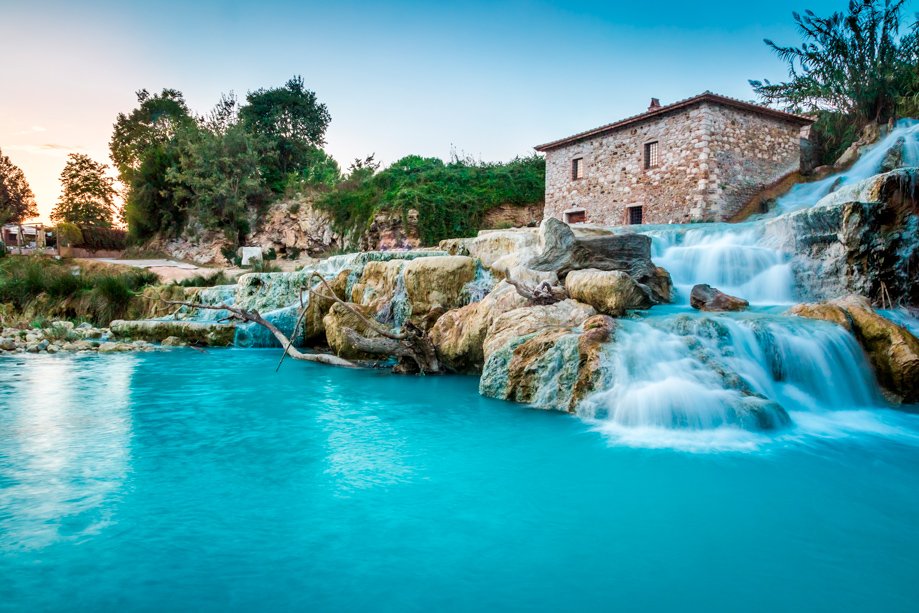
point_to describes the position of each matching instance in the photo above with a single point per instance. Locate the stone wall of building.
(712, 159)
(750, 152)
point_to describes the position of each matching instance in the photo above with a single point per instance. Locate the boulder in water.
(611, 292)
(892, 350)
(707, 298)
(563, 252)
(436, 284)
(317, 307)
(459, 334)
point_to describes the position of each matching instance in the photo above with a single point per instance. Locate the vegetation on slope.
(451, 198)
(39, 286)
(852, 68)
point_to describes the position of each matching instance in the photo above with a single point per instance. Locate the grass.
(59, 289)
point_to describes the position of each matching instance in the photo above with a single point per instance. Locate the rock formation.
(892, 350)
(707, 298)
(862, 239)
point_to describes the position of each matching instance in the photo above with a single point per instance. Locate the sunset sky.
(490, 79)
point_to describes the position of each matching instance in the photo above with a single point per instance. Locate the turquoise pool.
(190, 481)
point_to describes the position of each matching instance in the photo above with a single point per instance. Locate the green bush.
(451, 199)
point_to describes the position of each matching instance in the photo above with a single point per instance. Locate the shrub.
(451, 199)
(68, 234)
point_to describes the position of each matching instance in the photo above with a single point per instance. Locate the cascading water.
(904, 136)
(677, 377)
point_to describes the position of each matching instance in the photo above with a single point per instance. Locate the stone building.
(701, 159)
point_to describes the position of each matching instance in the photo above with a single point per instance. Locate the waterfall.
(731, 257)
(481, 285)
(676, 377)
(905, 135)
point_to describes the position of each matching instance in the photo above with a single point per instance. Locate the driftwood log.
(542, 294)
(413, 349)
(255, 317)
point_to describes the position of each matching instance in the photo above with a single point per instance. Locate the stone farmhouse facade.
(700, 159)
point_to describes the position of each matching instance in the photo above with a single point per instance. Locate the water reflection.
(65, 430)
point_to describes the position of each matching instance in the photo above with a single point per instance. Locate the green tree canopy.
(857, 63)
(88, 196)
(155, 122)
(289, 122)
(218, 174)
(17, 203)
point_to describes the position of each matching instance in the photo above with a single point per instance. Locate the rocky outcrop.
(513, 216)
(338, 321)
(294, 227)
(191, 332)
(389, 231)
(435, 285)
(547, 356)
(459, 334)
(892, 350)
(707, 298)
(611, 292)
(862, 239)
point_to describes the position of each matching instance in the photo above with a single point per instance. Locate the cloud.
(51, 149)
(39, 129)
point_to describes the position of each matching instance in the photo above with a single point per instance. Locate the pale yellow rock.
(437, 284)
(459, 334)
(527, 320)
(610, 292)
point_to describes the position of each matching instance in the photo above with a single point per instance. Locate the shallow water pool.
(184, 481)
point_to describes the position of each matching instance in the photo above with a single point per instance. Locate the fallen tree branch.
(411, 344)
(543, 294)
(373, 325)
(255, 317)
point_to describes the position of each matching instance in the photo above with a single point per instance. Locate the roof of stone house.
(677, 106)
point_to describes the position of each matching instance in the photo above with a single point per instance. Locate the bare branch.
(254, 317)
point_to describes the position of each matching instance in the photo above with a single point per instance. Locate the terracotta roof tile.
(663, 110)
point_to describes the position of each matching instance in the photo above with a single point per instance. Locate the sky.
(485, 79)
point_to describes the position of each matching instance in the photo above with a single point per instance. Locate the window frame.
(577, 168)
(647, 156)
(629, 215)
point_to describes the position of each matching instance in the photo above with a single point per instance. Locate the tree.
(288, 122)
(17, 203)
(88, 196)
(152, 204)
(154, 122)
(857, 64)
(218, 174)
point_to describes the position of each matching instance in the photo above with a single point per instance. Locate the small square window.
(652, 155)
(576, 216)
(635, 215)
(577, 168)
